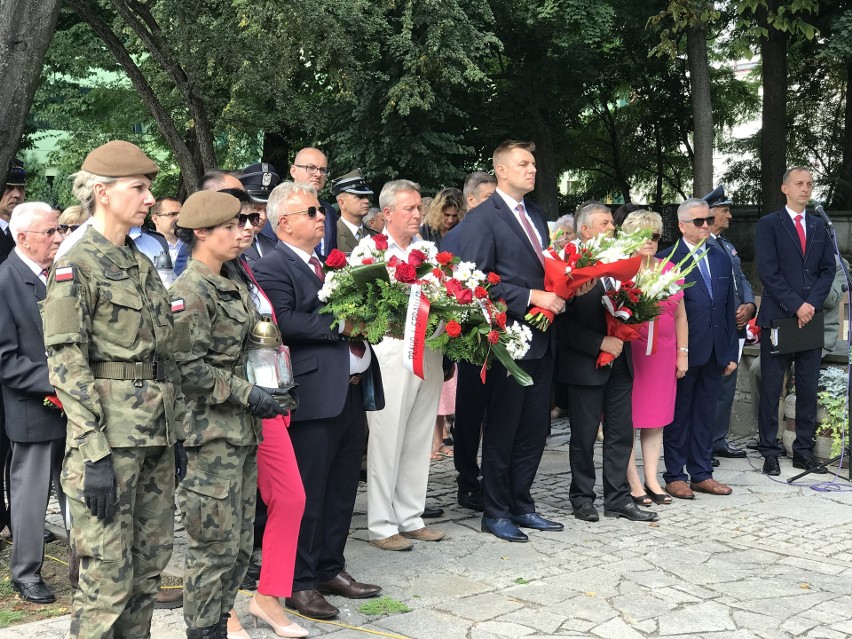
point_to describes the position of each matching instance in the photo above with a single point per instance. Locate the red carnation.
(480, 292)
(336, 259)
(500, 318)
(416, 258)
(453, 328)
(493, 337)
(368, 260)
(438, 273)
(393, 261)
(493, 278)
(445, 258)
(405, 273)
(381, 242)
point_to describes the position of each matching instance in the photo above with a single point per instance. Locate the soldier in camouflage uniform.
(214, 315)
(108, 332)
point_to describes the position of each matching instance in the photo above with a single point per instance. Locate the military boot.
(223, 625)
(210, 632)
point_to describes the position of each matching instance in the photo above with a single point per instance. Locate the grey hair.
(582, 216)
(371, 214)
(25, 214)
(565, 222)
(387, 198)
(689, 204)
(475, 180)
(281, 195)
(84, 188)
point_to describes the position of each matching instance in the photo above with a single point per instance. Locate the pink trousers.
(281, 489)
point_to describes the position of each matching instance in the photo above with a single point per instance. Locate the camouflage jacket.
(213, 318)
(106, 303)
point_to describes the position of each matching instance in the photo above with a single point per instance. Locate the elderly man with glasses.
(712, 352)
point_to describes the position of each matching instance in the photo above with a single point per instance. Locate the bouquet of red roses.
(628, 307)
(569, 268)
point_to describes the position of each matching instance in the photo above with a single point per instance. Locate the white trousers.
(400, 442)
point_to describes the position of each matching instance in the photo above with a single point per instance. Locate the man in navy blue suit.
(506, 235)
(711, 310)
(795, 262)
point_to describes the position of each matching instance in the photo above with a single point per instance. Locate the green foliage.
(382, 606)
(832, 398)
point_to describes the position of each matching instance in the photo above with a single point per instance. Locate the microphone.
(822, 214)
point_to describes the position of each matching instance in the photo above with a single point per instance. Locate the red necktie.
(530, 233)
(801, 231)
(317, 267)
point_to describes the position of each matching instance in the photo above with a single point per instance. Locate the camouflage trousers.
(217, 499)
(121, 562)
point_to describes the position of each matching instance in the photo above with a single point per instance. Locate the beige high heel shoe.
(291, 630)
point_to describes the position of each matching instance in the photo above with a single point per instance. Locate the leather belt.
(355, 379)
(129, 370)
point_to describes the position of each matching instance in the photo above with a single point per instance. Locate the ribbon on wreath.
(651, 348)
(414, 337)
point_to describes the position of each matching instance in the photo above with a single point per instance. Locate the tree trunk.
(190, 172)
(702, 109)
(546, 187)
(773, 134)
(843, 194)
(26, 29)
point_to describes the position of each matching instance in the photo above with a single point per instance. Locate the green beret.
(119, 159)
(204, 209)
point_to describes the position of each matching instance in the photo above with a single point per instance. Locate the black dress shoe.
(586, 512)
(36, 592)
(771, 466)
(344, 585)
(471, 499)
(809, 463)
(503, 529)
(49, 536)
(536, 521)
(632, 512)
(714, 462)
(311, 604)
(431, 512)
(730, 452)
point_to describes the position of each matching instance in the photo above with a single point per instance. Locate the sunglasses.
(68, 228)
(655, 237)
(699, 221)
(253, 218)
(48, 232)
(311, 211)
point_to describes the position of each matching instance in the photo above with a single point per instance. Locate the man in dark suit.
(506, 235)
(746, 308)
(353, 199)
(710, 308)
(795, 263)
(334, 377)
(36, 431)
(310, 166)
(594, 392)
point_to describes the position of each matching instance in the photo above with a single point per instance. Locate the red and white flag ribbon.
(651, 348)
(414, 338)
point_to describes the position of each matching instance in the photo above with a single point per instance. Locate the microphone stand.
(845, 445)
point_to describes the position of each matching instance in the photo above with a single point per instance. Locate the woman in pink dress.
(655, 376)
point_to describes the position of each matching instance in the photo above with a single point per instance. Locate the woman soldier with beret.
(214, 315)
(108, 332)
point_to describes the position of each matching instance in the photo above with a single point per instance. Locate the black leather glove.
(262, 404)
(180, 461)
(99, 489)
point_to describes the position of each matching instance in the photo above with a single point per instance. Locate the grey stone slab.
(481, 607)
(539, 620)
(811, 508)
(504, 629)
(427, 624)
(585, 607)
(697, 618)
(641, 606)
(615, 629)
(797, 625)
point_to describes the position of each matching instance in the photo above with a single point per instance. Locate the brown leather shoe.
(679, 490)
(311, 604)
(169, 599)
(424, 534)
(344, 585)
(711, 486)
(394, 542)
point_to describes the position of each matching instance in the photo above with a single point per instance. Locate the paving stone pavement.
(770, 561)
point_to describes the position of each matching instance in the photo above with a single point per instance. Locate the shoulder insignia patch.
(65, 274)
(177, 305)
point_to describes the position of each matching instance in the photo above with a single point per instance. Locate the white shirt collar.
(3, 225)
(511, 202)
(304, 255)
(35, 268)
(350, 226)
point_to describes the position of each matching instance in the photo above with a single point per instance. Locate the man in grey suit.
(37, 432)
(353, 199)
(720, 210)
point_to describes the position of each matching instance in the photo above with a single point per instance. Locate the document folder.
(786, 336)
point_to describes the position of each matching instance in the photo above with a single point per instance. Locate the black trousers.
(472, 397)
(513, 438)
(328, 452)
(5, 463)
(588, 406)
(772, 369)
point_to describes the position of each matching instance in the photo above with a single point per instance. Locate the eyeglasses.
(48, 232)
(175, 214)
(68, 228)
(655, 237)
(253, 218)
(699, 221)
(310, 169)
(311, 211)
